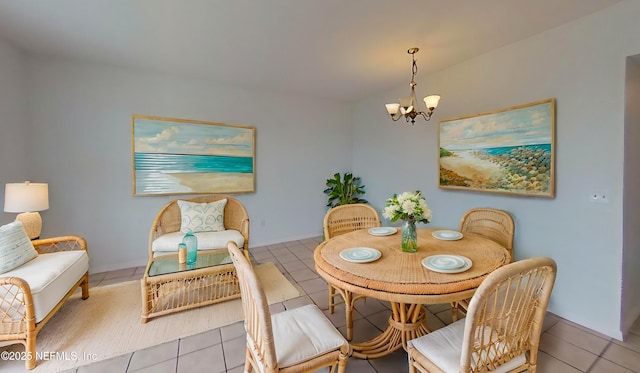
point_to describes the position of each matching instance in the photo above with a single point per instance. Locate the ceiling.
(340, 49)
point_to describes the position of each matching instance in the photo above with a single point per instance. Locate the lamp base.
(32, 223)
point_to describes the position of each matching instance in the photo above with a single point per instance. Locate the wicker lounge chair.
(32, 293)
(168, 222)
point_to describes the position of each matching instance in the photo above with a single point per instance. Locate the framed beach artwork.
(179, 156)
(507, 151)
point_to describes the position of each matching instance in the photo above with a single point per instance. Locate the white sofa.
(32, 293)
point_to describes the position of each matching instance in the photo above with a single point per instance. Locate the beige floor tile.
(566, 352)
(199, 341)
(396, 362)
(605, 366)
(622, 356)
(549, 364)
(114, 365)
(154, 355)
(313, 286)
(233, 350)
(370, 306)
(168, 366)
(297, 302)
(232, 331)
(210, 359)
(303, 275)
(579, 337)
(631, 341)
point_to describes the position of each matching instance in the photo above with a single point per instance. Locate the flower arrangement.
(407, 206)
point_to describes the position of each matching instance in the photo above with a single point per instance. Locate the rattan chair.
(19, 320)
(496, 225)
(501, 332)
(296, 340)
(340, 220)
(169, 220)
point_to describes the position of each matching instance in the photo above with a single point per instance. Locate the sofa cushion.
(202, 217)
(15, 247)
(50, 276)
(206, 240)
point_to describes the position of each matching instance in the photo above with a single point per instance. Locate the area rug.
(108, 323)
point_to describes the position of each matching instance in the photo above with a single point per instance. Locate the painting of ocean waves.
(176, 163)
(174, 156)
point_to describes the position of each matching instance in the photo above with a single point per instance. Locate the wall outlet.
(599, 197)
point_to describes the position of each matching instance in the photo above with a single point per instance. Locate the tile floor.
(565, 347)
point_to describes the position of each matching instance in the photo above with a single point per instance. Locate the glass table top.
(167, 264)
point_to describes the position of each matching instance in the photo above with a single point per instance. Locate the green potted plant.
(344, 190)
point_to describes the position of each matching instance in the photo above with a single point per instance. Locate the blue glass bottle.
(192, 247)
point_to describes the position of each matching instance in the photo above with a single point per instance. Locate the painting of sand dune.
(506, 151)
(178, 156)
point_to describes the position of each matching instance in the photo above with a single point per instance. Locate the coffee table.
(168, 286)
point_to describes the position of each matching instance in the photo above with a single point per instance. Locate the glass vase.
(409, 236)
(192, 247)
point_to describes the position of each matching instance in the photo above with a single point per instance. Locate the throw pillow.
(202, 217)
(15, 247)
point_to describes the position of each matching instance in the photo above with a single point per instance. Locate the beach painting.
(506, 151)
(179, 156)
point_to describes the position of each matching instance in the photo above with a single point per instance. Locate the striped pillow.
(15, 247)
(202, 217)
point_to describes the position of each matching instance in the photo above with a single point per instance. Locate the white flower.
(407, 206)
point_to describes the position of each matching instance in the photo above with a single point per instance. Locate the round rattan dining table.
(401, 279)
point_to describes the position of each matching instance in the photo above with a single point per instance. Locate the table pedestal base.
(406, 323)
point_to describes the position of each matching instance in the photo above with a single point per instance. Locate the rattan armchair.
(296, 340)
(169, 220)
(340, 220)
(503, 325)
(496, 225)
(19, 319)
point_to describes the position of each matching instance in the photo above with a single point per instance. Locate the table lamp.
(27, 199)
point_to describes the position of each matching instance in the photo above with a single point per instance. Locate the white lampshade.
(392, 109)
(26, 197)
(432, 101)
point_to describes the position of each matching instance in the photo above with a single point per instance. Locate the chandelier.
(407, 107)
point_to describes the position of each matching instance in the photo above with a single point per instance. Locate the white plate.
(360, 255)
(447, 263)
(447, 235)
(382, 231)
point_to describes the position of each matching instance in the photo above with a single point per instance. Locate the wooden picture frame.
(508, 151)
(180, 156)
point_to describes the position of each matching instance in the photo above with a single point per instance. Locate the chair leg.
(248, 367)
(85, 286)
(454, 311)
(30, 348)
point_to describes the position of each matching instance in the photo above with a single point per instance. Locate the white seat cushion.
(50, 277)
(168, 243)
(444, 348)
(303, 333)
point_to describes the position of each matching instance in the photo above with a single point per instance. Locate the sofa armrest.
(17, 315)
(55, 244)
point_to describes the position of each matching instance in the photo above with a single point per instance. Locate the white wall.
(82, 148)
(14, 149)
(582, 65)
(631, 208)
